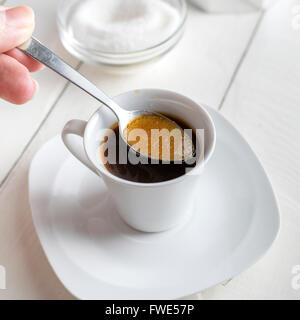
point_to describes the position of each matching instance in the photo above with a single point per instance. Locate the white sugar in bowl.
(120, 31)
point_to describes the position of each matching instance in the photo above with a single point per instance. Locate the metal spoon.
(44, 55)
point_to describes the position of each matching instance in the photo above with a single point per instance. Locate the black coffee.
(143, 173)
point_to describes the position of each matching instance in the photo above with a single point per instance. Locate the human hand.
(16, 27)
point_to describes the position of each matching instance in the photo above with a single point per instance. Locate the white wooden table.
(246, 66)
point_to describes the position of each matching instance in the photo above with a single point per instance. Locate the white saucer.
(97, 256)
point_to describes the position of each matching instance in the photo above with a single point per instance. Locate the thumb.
(16, 26)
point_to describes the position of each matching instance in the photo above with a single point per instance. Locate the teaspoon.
(38, 51)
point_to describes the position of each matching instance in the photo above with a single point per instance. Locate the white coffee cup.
(148, 207)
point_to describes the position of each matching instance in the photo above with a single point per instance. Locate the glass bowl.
(89, 44)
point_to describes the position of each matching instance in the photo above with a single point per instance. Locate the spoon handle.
(44, 55)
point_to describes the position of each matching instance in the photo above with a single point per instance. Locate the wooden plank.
(19, 123)
(200, 66)
(263, 104)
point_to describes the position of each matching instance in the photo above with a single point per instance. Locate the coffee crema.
(113, 152)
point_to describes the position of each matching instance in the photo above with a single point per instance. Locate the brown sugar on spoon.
(159, 137)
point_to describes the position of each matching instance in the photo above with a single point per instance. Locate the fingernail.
(20, 17)
(3, 8)
(36, 88)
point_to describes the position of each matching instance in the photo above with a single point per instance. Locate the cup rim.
(118, 180)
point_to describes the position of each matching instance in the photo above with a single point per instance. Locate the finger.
(16, 26)
(31, 64)
(16, 85)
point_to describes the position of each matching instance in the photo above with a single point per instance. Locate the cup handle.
(76, 127)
